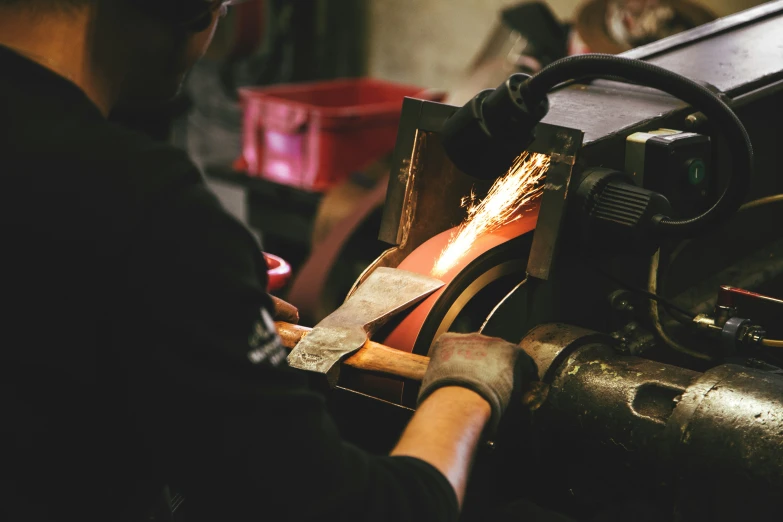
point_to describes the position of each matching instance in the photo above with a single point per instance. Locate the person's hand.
(285, 311)
(489, 366)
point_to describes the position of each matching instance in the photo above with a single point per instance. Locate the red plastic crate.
(313, 135)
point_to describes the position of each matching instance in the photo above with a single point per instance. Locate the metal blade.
(385, 293)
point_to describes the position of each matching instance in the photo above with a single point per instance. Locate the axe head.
(386, 292)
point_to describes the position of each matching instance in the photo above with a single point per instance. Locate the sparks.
(522, 184)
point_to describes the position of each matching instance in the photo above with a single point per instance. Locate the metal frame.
(421, 117)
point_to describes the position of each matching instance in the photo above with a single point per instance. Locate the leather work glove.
(489, 366)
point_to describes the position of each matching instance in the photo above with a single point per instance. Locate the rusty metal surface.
(425, 190)
(625, 399)
(710, 443)
(600, 426)
(386, 292)
(729, 424)
(561, 144)
(547, 343)
(434, 192)
(418, 119)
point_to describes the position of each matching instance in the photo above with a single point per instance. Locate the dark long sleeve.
(135, 351)
(240, 431)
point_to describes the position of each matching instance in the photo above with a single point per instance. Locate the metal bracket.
(561, 144)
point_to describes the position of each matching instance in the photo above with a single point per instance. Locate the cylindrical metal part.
(726, 444)
(715, 438)
(550, 343)
(626, 400)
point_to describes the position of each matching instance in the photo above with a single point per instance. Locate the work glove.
(489, 366)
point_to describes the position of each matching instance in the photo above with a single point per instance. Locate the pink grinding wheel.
(421, 261)
(279, 272)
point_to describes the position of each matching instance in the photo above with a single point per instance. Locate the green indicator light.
(697, 171)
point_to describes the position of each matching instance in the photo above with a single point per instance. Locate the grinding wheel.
(494, 265)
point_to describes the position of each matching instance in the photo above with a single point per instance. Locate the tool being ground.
(371, 357)
(386, 292)
(384, 361)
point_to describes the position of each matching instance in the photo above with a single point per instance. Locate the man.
(138, 348)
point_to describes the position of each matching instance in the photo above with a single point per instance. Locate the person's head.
(140, 50)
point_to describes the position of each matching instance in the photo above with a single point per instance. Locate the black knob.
(615, 214)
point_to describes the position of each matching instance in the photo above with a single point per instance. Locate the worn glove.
(489, 366)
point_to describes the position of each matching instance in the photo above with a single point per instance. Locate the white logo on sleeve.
(265, 345)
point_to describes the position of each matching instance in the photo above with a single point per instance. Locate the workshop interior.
(596, 180)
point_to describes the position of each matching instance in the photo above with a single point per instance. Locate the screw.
(695, 120)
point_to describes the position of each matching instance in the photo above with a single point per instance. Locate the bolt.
(694, 121)
(753, 336)
(624, 306)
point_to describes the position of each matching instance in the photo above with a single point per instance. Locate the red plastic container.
(313, 135)
(279, 272)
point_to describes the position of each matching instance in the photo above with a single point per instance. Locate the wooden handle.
(372, 357)
(285, 311)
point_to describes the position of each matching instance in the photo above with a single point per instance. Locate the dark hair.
(45, 4)
(187, 15)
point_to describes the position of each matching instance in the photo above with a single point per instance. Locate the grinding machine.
(638, 280)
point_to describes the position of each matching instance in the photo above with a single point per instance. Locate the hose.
(655, 315)
(772, 343)
(775, 198)
(696, 95)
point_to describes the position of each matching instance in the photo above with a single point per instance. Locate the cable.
(775, 198)
(655, 316)
(766, 200)
(684, 319)
(696, 95)
(772, 343)
(669, 305)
